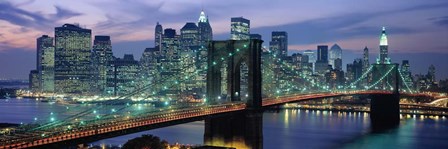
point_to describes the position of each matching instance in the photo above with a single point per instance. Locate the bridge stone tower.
(385, 109)
(232, 54)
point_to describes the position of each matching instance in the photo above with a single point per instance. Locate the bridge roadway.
(37, 139)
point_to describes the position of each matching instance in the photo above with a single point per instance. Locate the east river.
(283, 129)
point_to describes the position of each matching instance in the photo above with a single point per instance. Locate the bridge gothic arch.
(234, 53)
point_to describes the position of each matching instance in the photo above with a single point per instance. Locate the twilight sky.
(418, 30)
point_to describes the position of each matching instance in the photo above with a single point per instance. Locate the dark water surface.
(284, 129)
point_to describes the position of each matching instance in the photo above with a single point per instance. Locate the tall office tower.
(311, 58)
(255, 36)
(383, 59)
(170, 44)
(354, 70)
(170, 65)
(148, 62)
(205, 35)
(311, 55)
(322, 53)
(321, 65)
(365, 67)
(334, 53)
(279, 44)
(338, 64)
(240, 28)
(45, 64)
(190, 45)
(297, 60)
(122, 78)
(189, 37)
(33, 79)
(158, 36)
(102, 56)
(432, 74)
(204, 29)
(72, 59)
(407, 80)
(365, 60)
(148, 69)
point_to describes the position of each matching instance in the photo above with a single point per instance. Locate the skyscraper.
(189, 37)
(102, 56)
(240, 28)
(383, 59)
(72, 59)
(366, 66)
(158, 36)
(204, 29)
(311, 58)
(279, 43)
(45, 64)
(354, 70)
(322, 53)
(321, 65)
(432, 74)
(338, 64)
(33, 79)
(122, 78)
(311, 55)
(205, 35)
(407, 80)
(335, 53)
(365, 60)
(170, 60)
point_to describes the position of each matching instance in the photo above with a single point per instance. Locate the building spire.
(383, 37)
(202, 17)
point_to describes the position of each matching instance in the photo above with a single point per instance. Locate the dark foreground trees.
(146, 142)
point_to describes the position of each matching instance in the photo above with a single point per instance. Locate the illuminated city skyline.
(24, 21)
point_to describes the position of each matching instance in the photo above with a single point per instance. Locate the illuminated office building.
(72, 59)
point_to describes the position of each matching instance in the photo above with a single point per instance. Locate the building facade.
(335, 53)
(322, 66)
(158, 35)
(279, 44)
(384, 49)
(102, 56)
(72, 59)
(123, 75)
(240, 28)
(45, 64)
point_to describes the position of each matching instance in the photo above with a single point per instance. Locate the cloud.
(62, 13)
(442, 21)
(14, 15)
(20, 26)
